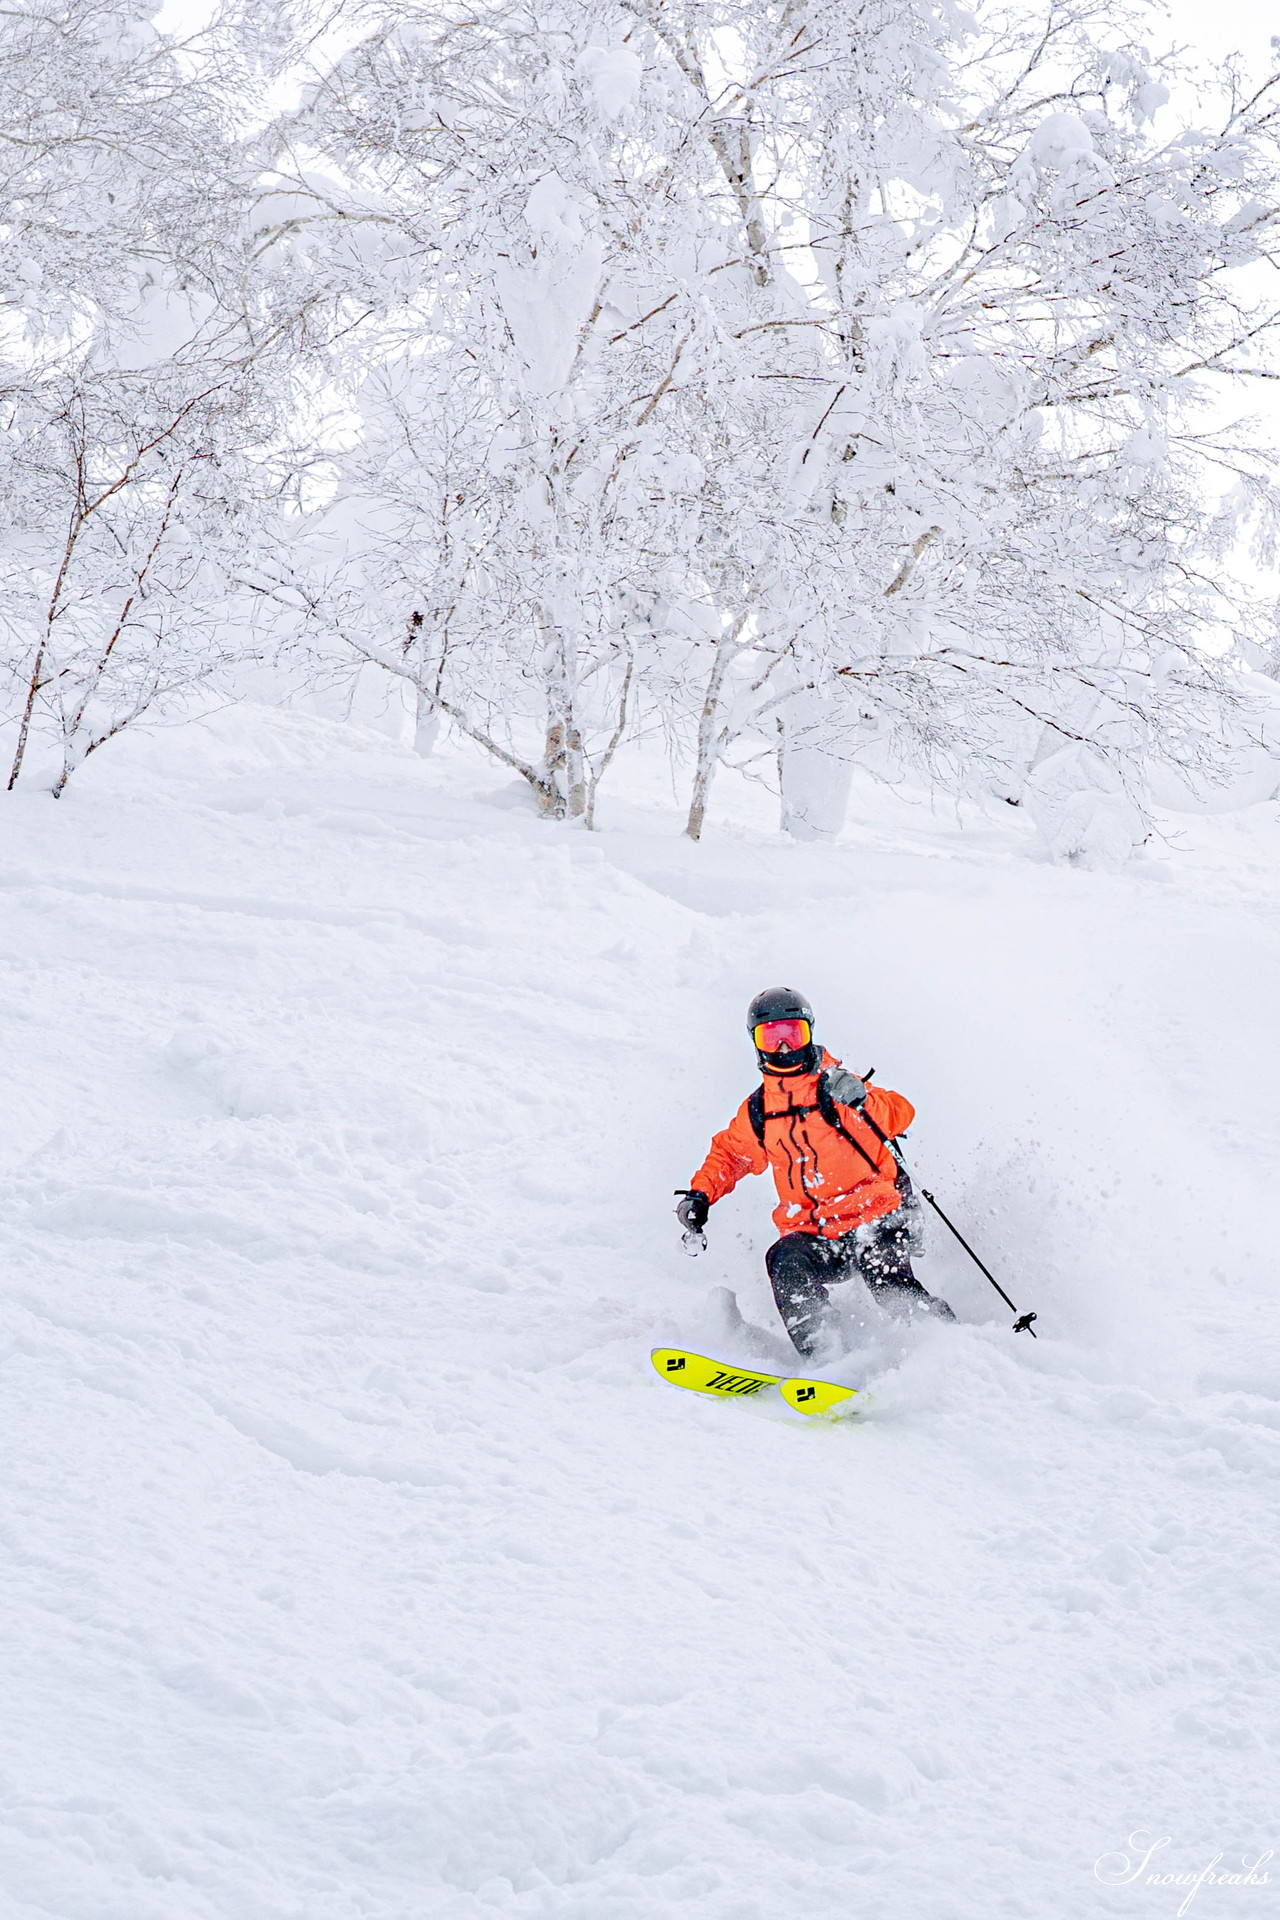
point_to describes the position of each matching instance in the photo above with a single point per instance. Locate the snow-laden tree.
(134, 508)
(1036, 301)
(578, 494)
(136, 369)
(531, 512)
(831, 374)
(1016, 295)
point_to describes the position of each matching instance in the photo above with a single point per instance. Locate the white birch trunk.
(709, 729)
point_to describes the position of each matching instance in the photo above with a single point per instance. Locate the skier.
(841, 1191)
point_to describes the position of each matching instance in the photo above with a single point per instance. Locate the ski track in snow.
(358, 1566)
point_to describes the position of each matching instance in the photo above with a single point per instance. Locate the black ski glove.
(846, 1087)
(693, 1210)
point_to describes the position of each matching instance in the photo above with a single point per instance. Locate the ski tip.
(821, 1397)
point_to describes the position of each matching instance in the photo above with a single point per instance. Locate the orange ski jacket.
(824, 1184)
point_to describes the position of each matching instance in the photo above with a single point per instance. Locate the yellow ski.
(819, 1396)
(695, 1371)
(724, 1382)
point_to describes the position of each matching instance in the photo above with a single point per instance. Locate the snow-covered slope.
(357, 1564)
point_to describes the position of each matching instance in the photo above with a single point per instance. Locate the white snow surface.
(358, 1566)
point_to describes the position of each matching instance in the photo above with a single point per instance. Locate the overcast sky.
(1219, 27)
(1227, 26)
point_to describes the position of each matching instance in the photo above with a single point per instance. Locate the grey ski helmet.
(783, 1003)
(778, 1003)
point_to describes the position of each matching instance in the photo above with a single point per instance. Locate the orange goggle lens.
(778, 1036)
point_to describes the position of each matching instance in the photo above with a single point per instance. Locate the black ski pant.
(801, 1266)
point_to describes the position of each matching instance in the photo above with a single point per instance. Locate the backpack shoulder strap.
(831, 1114)
(755, 1113)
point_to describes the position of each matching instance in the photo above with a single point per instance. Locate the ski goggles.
(781, 1036)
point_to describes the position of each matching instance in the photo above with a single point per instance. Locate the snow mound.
(360, 1564)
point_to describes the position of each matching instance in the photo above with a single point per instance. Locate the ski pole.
(1023, 1322)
